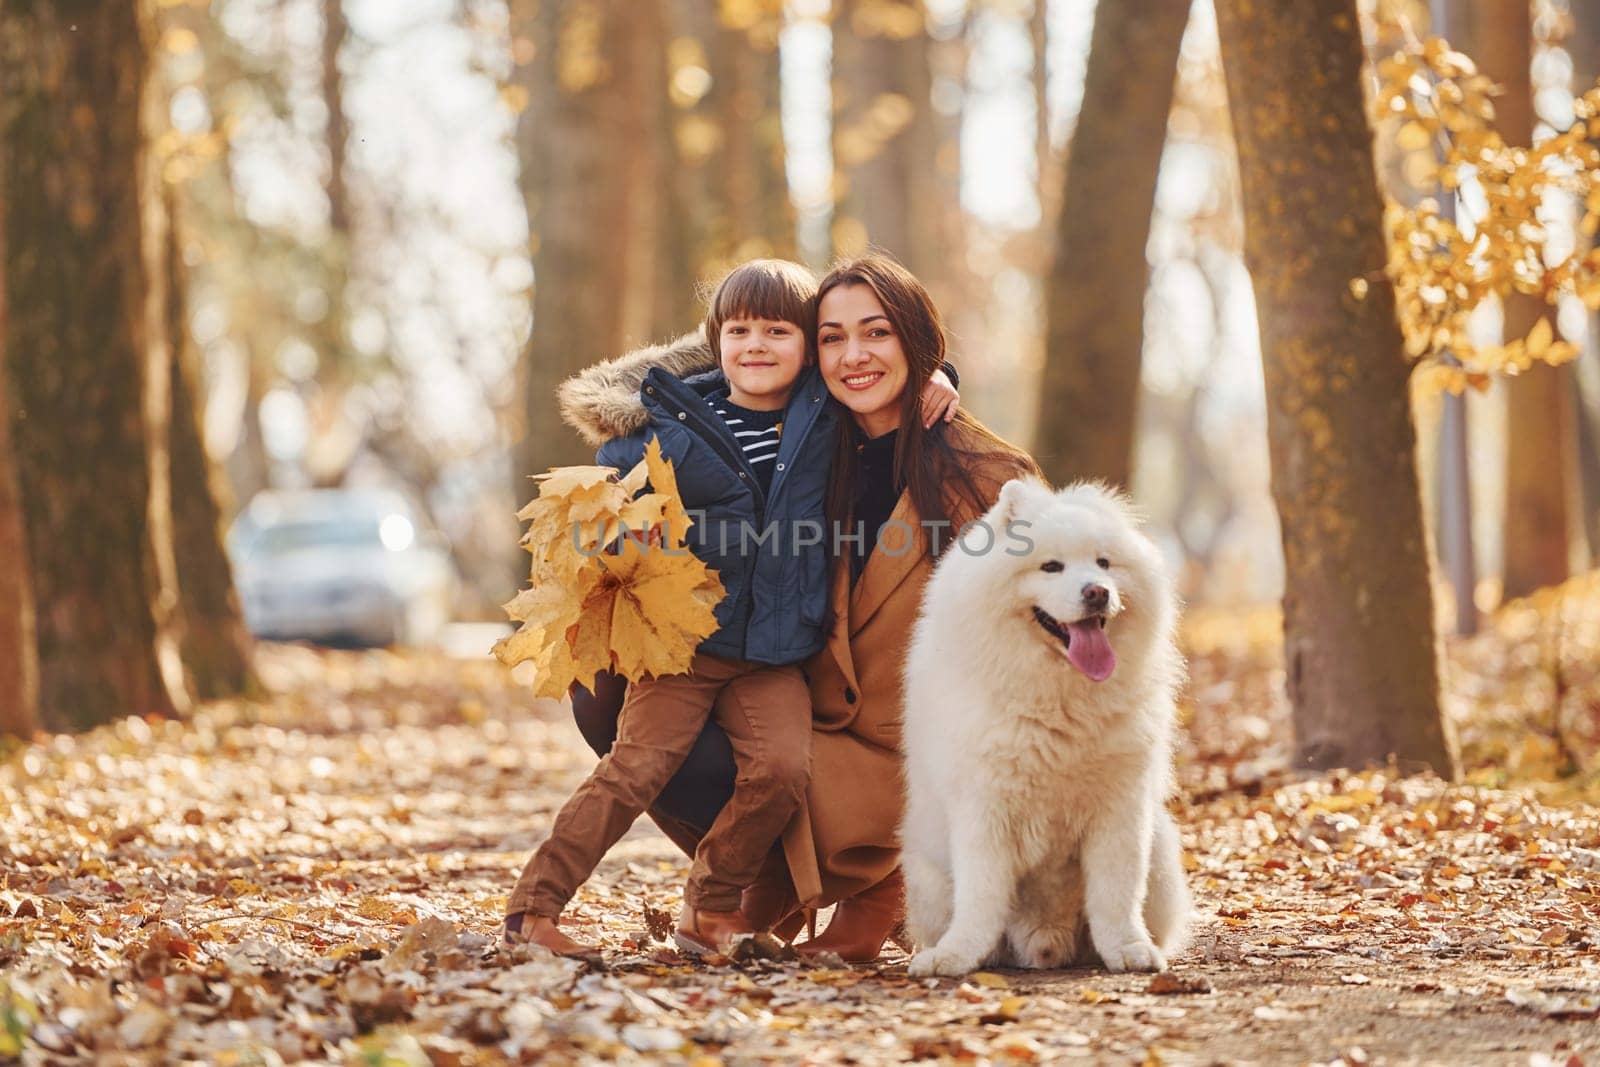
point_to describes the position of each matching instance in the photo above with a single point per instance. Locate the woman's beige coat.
(843, 840)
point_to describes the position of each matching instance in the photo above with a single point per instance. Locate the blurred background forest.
(354, 183)
(286, 287)
(372, 237)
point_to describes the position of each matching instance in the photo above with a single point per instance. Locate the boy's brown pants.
(766, 712)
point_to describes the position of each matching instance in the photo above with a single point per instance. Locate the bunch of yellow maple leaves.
(613, 585)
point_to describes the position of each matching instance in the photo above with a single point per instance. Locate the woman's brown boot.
(862, 923)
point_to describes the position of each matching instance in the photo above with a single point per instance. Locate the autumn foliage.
(613, 585)
(1446, 263)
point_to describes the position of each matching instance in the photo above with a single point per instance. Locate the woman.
(904, 488)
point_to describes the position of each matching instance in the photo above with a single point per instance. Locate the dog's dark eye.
(1055, 566)
(1103, 563)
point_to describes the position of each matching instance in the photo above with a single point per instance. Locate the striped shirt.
(757, 433)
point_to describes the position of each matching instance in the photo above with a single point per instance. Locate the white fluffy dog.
(1038, 740)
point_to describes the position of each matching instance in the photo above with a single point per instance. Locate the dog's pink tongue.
(1089, 651)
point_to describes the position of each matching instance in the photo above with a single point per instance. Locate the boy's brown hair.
(766, 289)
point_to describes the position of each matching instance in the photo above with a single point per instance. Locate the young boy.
(751, 447)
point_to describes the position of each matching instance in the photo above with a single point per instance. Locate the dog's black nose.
(1096, 597)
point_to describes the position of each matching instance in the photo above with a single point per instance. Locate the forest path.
(320, 875)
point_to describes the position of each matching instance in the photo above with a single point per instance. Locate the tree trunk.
(1096, 288)
(1453, 536)
(211, 203)
(752, 113)
(73, 77)
(336, 370)
(1584, 47)
(1045, 181)
(19, 664)
(215, 645)
(729, 143)
(1363, 672)
(247, 470)
(943, 219)
(159, 356)
(335, 30)
(1588, 434)
(885, 137)
(1541, 445)
(592, 176)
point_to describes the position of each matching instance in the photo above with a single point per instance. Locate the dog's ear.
(1012, 496)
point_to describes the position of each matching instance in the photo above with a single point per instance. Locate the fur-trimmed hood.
(602, 403)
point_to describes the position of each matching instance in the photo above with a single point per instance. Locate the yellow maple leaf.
(657, 619)
(550, 605)
(589, 638)
(675, 520)
(605, 593)
(522, 645)
(554, 669)
(1540, 338)
(565, 481)
(596, 502)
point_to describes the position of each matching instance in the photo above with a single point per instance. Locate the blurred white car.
(342, 566)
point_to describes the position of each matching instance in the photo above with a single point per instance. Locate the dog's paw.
(939, 960)
(1045, 948)
(1134, 956)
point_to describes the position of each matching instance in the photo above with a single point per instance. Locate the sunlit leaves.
(1436, 377)
(580, 47)
(698, 138)
(613, 584)
(689, 71)
(879, 122)
(179, 41)
(760, 18)
(1441, 111)
(895, 20)
(849, 235)
(515, 98)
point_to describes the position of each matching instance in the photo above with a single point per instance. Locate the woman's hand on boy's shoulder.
(939, 399)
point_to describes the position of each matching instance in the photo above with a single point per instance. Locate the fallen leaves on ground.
(1523, 696)
(321, 876)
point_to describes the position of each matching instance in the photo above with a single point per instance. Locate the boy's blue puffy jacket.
(776, 583)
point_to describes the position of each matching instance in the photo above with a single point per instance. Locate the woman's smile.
(863, 381)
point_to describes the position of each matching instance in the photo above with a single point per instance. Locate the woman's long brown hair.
(925, 461)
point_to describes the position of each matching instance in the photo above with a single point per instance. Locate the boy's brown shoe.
(525, 928)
